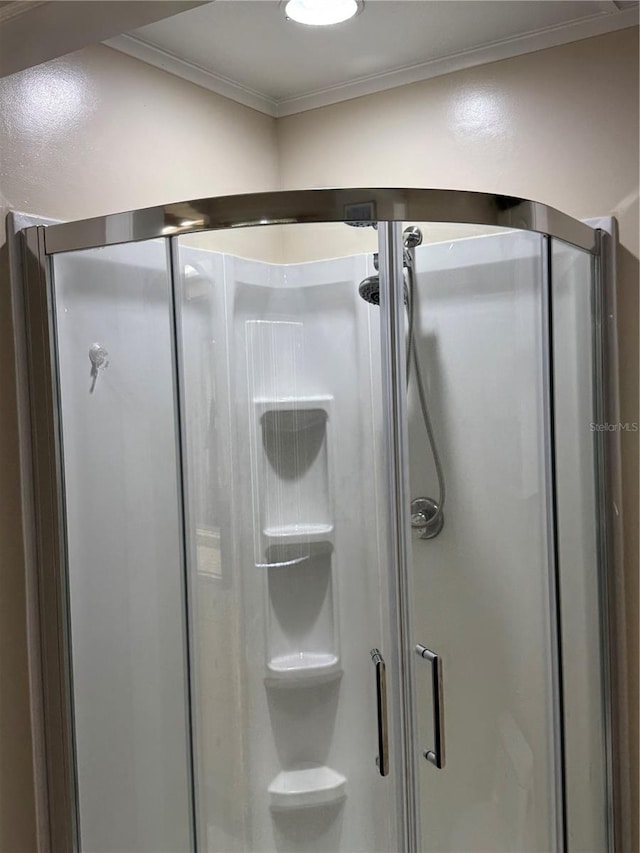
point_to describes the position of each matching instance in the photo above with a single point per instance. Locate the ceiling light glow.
(321, 13)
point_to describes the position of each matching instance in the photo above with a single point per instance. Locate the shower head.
(411, 237)
(369, 290)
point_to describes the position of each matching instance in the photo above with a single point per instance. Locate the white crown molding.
(160, 58)
(529, 43)
(518, 45)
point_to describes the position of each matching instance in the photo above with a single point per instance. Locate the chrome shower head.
(369, 290)
(411, 237)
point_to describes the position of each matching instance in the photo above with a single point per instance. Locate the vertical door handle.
(436, 755)
(383, 726)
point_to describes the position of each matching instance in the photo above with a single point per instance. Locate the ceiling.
(248, 51)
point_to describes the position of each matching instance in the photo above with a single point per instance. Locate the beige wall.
(92, 133)
(559, 126)
(97, 132)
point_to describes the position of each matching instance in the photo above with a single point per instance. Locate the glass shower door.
(287, 541)
(124, 568)
(482, 589)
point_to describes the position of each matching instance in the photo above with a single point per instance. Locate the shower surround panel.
(300, 483)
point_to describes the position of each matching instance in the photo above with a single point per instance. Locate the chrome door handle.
(383, 725)
(436, 755)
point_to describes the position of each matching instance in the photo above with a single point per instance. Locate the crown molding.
(603, 23)
(517, 46)
(167, 61)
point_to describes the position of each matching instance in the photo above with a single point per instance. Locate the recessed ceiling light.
(322, 13)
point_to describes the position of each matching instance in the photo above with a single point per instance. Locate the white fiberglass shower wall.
(280, 394)
(230, 536)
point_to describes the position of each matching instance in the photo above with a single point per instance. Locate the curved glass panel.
(578, 547)
(123, 521)
(287, 534)
(481, 596)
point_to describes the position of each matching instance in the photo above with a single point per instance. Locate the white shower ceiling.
(248, 51)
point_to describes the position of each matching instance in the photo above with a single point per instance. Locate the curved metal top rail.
(322, 205)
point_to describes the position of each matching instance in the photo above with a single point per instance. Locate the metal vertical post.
(393, 353)
(555, 609)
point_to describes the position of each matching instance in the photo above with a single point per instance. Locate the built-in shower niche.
(302, 633)
(306, 786)
(294, 490)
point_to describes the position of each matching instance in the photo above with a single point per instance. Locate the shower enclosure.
(247, 640)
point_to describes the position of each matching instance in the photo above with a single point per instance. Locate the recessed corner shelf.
(293, 534)
(307, 786)
(303, 677)
(303, 668)
(302, 641)
(276, 404)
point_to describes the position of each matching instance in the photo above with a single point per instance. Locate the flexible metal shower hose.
(412, 355)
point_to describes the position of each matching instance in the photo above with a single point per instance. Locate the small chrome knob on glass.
(426, 517)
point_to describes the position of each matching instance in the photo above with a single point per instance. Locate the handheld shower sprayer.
(427, 514)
